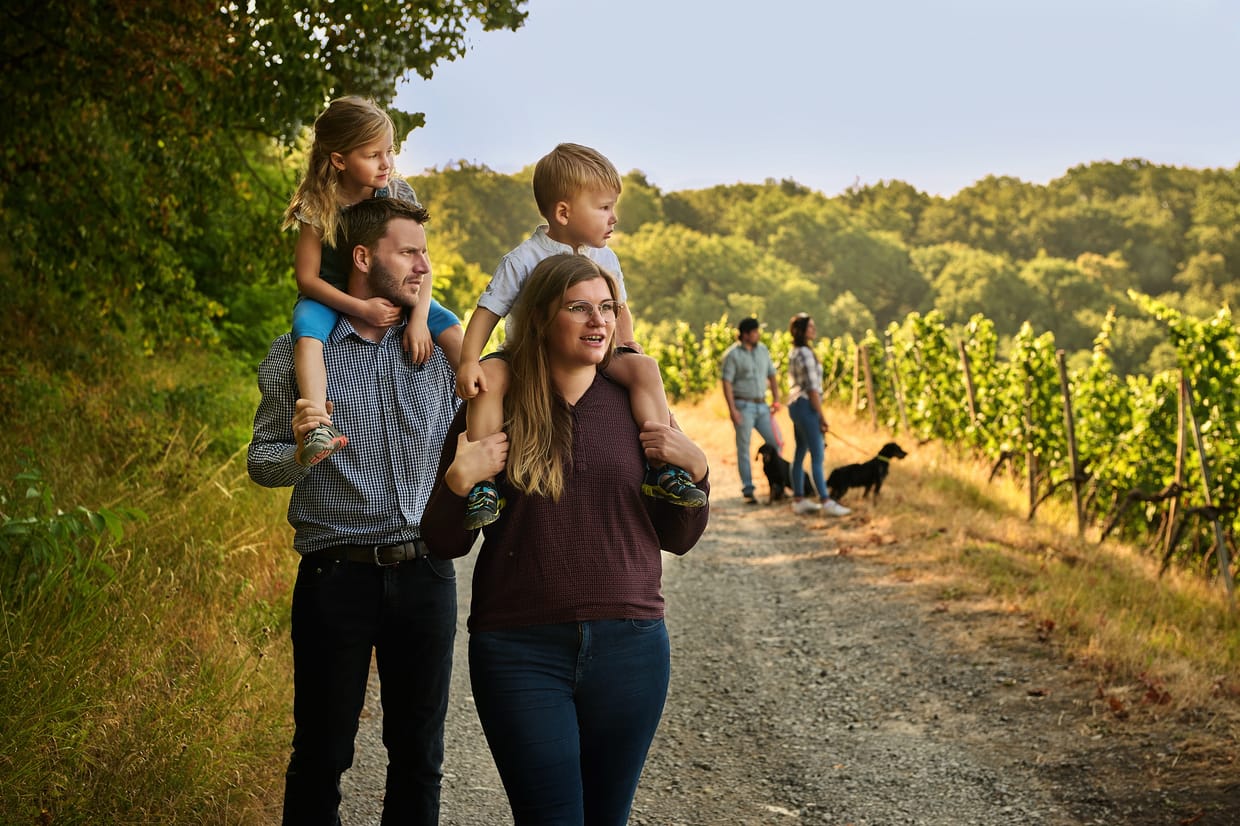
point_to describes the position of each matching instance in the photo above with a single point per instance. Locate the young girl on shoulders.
(351, 159)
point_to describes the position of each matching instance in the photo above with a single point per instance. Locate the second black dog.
(868, 475)
(779, 473)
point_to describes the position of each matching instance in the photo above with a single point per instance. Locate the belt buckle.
(375, 551)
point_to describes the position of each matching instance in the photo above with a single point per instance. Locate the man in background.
(747, 373)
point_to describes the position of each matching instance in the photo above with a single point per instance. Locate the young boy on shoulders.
(576, 190)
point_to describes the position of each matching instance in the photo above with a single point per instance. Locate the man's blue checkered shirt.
(395, 414)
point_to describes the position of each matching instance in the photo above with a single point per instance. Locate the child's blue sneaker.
(673, 484)
(483, 506)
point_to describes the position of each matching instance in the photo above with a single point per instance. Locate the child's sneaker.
(803, 506)
(320, 443)
(673, 484)
(483, 506)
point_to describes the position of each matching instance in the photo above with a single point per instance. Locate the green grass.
(144, 584)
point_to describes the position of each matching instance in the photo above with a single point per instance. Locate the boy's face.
(588, 218)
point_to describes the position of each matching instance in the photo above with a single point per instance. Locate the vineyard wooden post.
(1220, 541)
(1070, 426)
(896, 386)
(869, 386)
(970, 394)
(1031, 459)
(857, 380)
(1181, 448)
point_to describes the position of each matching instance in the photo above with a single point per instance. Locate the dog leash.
(845, 441)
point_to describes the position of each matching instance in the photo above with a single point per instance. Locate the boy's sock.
(673, 484)
(320, 443)
(483, 506)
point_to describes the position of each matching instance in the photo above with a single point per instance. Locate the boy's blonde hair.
(568, 170)
(346, 123)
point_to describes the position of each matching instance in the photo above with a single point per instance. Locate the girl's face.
(810, 330)
(366, 167)
(583, 325)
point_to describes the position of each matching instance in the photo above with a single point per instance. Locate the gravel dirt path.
(813, 683)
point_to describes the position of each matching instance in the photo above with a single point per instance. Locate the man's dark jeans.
(407, 614)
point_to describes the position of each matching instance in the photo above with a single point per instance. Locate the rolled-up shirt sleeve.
(271, 457)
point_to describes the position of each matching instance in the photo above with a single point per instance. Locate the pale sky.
(937, 93)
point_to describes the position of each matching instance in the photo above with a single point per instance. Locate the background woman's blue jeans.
(569, 712)
(808, 438)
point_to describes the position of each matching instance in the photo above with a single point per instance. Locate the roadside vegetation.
(144, 592)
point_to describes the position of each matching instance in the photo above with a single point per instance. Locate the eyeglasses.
(583, 311)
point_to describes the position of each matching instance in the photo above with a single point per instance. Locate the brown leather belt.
(381, 555)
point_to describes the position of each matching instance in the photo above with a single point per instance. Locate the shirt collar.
(344, 328)
(553, 246)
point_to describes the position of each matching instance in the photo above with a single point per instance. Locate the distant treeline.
(1058, 256)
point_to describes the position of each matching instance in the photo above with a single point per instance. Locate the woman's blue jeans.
(342, 611)
(808, 438)
(569, 711)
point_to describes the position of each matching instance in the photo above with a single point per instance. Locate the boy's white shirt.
(516, 266)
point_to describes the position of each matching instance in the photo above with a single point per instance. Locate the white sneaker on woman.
(805, 506)
(832, 508)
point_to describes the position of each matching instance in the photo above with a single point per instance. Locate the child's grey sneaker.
(320, 443)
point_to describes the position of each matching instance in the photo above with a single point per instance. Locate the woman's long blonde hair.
(345, 124)
(538, 421)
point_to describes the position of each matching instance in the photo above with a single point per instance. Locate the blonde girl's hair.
(538, 421)
(569, 170)
(345, 124)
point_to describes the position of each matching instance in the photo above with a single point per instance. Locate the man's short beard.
(381, 281)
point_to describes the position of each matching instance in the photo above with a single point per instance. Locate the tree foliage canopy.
(140, 139)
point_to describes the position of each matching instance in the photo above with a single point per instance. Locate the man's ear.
(361, 258)
(560, 212)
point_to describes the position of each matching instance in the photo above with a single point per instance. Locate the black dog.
(864, 475)
(778, 472)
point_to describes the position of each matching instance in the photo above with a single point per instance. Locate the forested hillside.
(1058, 255)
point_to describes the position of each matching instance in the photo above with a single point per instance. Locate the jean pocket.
(312, 570)
(645, 625)
(444, 569)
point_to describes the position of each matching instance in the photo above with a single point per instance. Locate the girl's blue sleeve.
(440, 318)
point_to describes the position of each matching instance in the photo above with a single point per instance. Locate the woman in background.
(809, 422)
